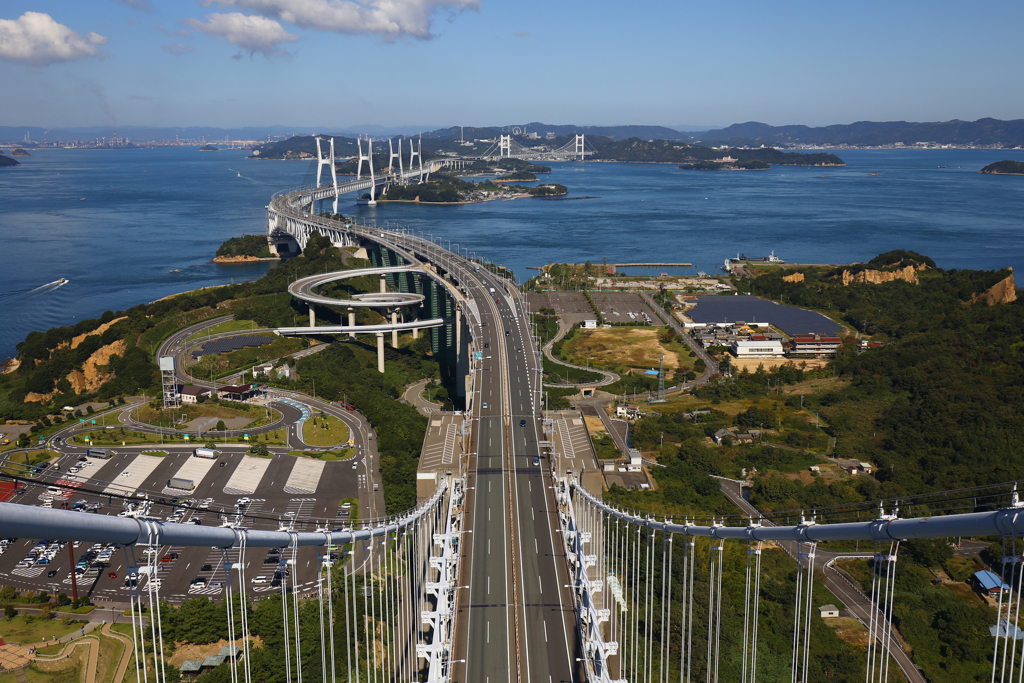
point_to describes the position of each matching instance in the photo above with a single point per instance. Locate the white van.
(54, 490)
(261, 580)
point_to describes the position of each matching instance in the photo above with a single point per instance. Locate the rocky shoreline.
(243, 259)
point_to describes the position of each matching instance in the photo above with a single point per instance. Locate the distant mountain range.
(872, 134)
(983, 132)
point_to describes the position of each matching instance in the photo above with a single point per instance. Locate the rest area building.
(767, 348)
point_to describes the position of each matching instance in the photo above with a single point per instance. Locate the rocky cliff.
(877, 277)
(795, 277)
(1002, 292)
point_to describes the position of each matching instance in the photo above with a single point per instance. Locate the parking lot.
(280, 492)
(572, 307)
(623, 307)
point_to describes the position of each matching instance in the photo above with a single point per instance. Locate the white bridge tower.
(580, 147)
(415, 154)
(321, 162)
(359, 170)
(505, 147)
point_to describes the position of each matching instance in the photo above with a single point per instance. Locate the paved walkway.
(607, 377)
(414, 396)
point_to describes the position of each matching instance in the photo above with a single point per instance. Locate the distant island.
(7, 161)
(208, 148)
(449, 189)
(20, 153)
(706, 158)
(1006, 167)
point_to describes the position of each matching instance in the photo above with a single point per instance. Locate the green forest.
(246, 245)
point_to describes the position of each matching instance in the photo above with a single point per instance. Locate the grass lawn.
(21, 633)
(115, 437)
(325, 431)
(16, 464)
(605, 447)
(229, 326)
(325, 455)
(210, 409)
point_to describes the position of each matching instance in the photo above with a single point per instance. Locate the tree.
(259, 450)
(220, 426)
(89, 409)
(10, 612)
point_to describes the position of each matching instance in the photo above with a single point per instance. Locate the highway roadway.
(516, 618)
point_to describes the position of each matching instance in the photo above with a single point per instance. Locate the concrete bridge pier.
(383, 284)
(380, 352)
(394, 333)
(351, 321)
(312, 316)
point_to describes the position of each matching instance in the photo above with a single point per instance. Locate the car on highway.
(536, 460)
(522, 423)
(485, 404)
(206, 568)
(198, 581)
(111, 575)
(223, 463)
(52, 573)
(507, 333)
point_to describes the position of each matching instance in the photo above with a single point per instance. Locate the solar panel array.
(752, 309)
(230, 344)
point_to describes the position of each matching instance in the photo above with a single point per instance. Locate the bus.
(206, 453)
(101, 453)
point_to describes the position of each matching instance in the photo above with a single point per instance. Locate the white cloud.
(389, 19)
(36, 39)
(177, 49)
(254, 34)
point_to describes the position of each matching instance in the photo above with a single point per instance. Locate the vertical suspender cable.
(137, 641)
(228, 603)
(757, 594)
(795, 663)
(689, 633)
(666, 618)
(999, 613)
(746, 617)
(891, 599)
(284, 624)
(807, 619)
(330, 605)
(295, 606)
(649, 615)
(320, 595)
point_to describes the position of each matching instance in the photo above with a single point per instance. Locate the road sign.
(81, 419)
(94, 421)
(245, 436)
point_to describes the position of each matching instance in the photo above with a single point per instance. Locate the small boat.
(174, 271)
(62, 281)
(874, 174)
(239, 175)
(82, 199)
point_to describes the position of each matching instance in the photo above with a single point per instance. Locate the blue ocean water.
(115, 222)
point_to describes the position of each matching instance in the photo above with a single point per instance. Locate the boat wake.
(41, 289)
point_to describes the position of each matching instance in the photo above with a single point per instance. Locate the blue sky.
(337, 63)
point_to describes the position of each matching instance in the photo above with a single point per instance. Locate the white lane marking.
(540, 586)
(488, 486)
(488, 633)
(488, 514)
(529, 484)
(532, 516)
(545, 631)
(488, 546)
(535, 546)
(488, 585)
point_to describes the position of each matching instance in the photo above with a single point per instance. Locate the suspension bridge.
(507, 147)
(511, 569)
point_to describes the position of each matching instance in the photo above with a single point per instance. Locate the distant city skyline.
(434, 63)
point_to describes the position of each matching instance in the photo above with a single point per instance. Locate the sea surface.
(115, 222)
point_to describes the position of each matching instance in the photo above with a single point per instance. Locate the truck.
(101, 453)
(208, 453)
(180, 483)
(492, 290)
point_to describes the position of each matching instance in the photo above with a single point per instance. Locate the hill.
(668, 151)
(1007, 167)
(7, 161)
(872, 134)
